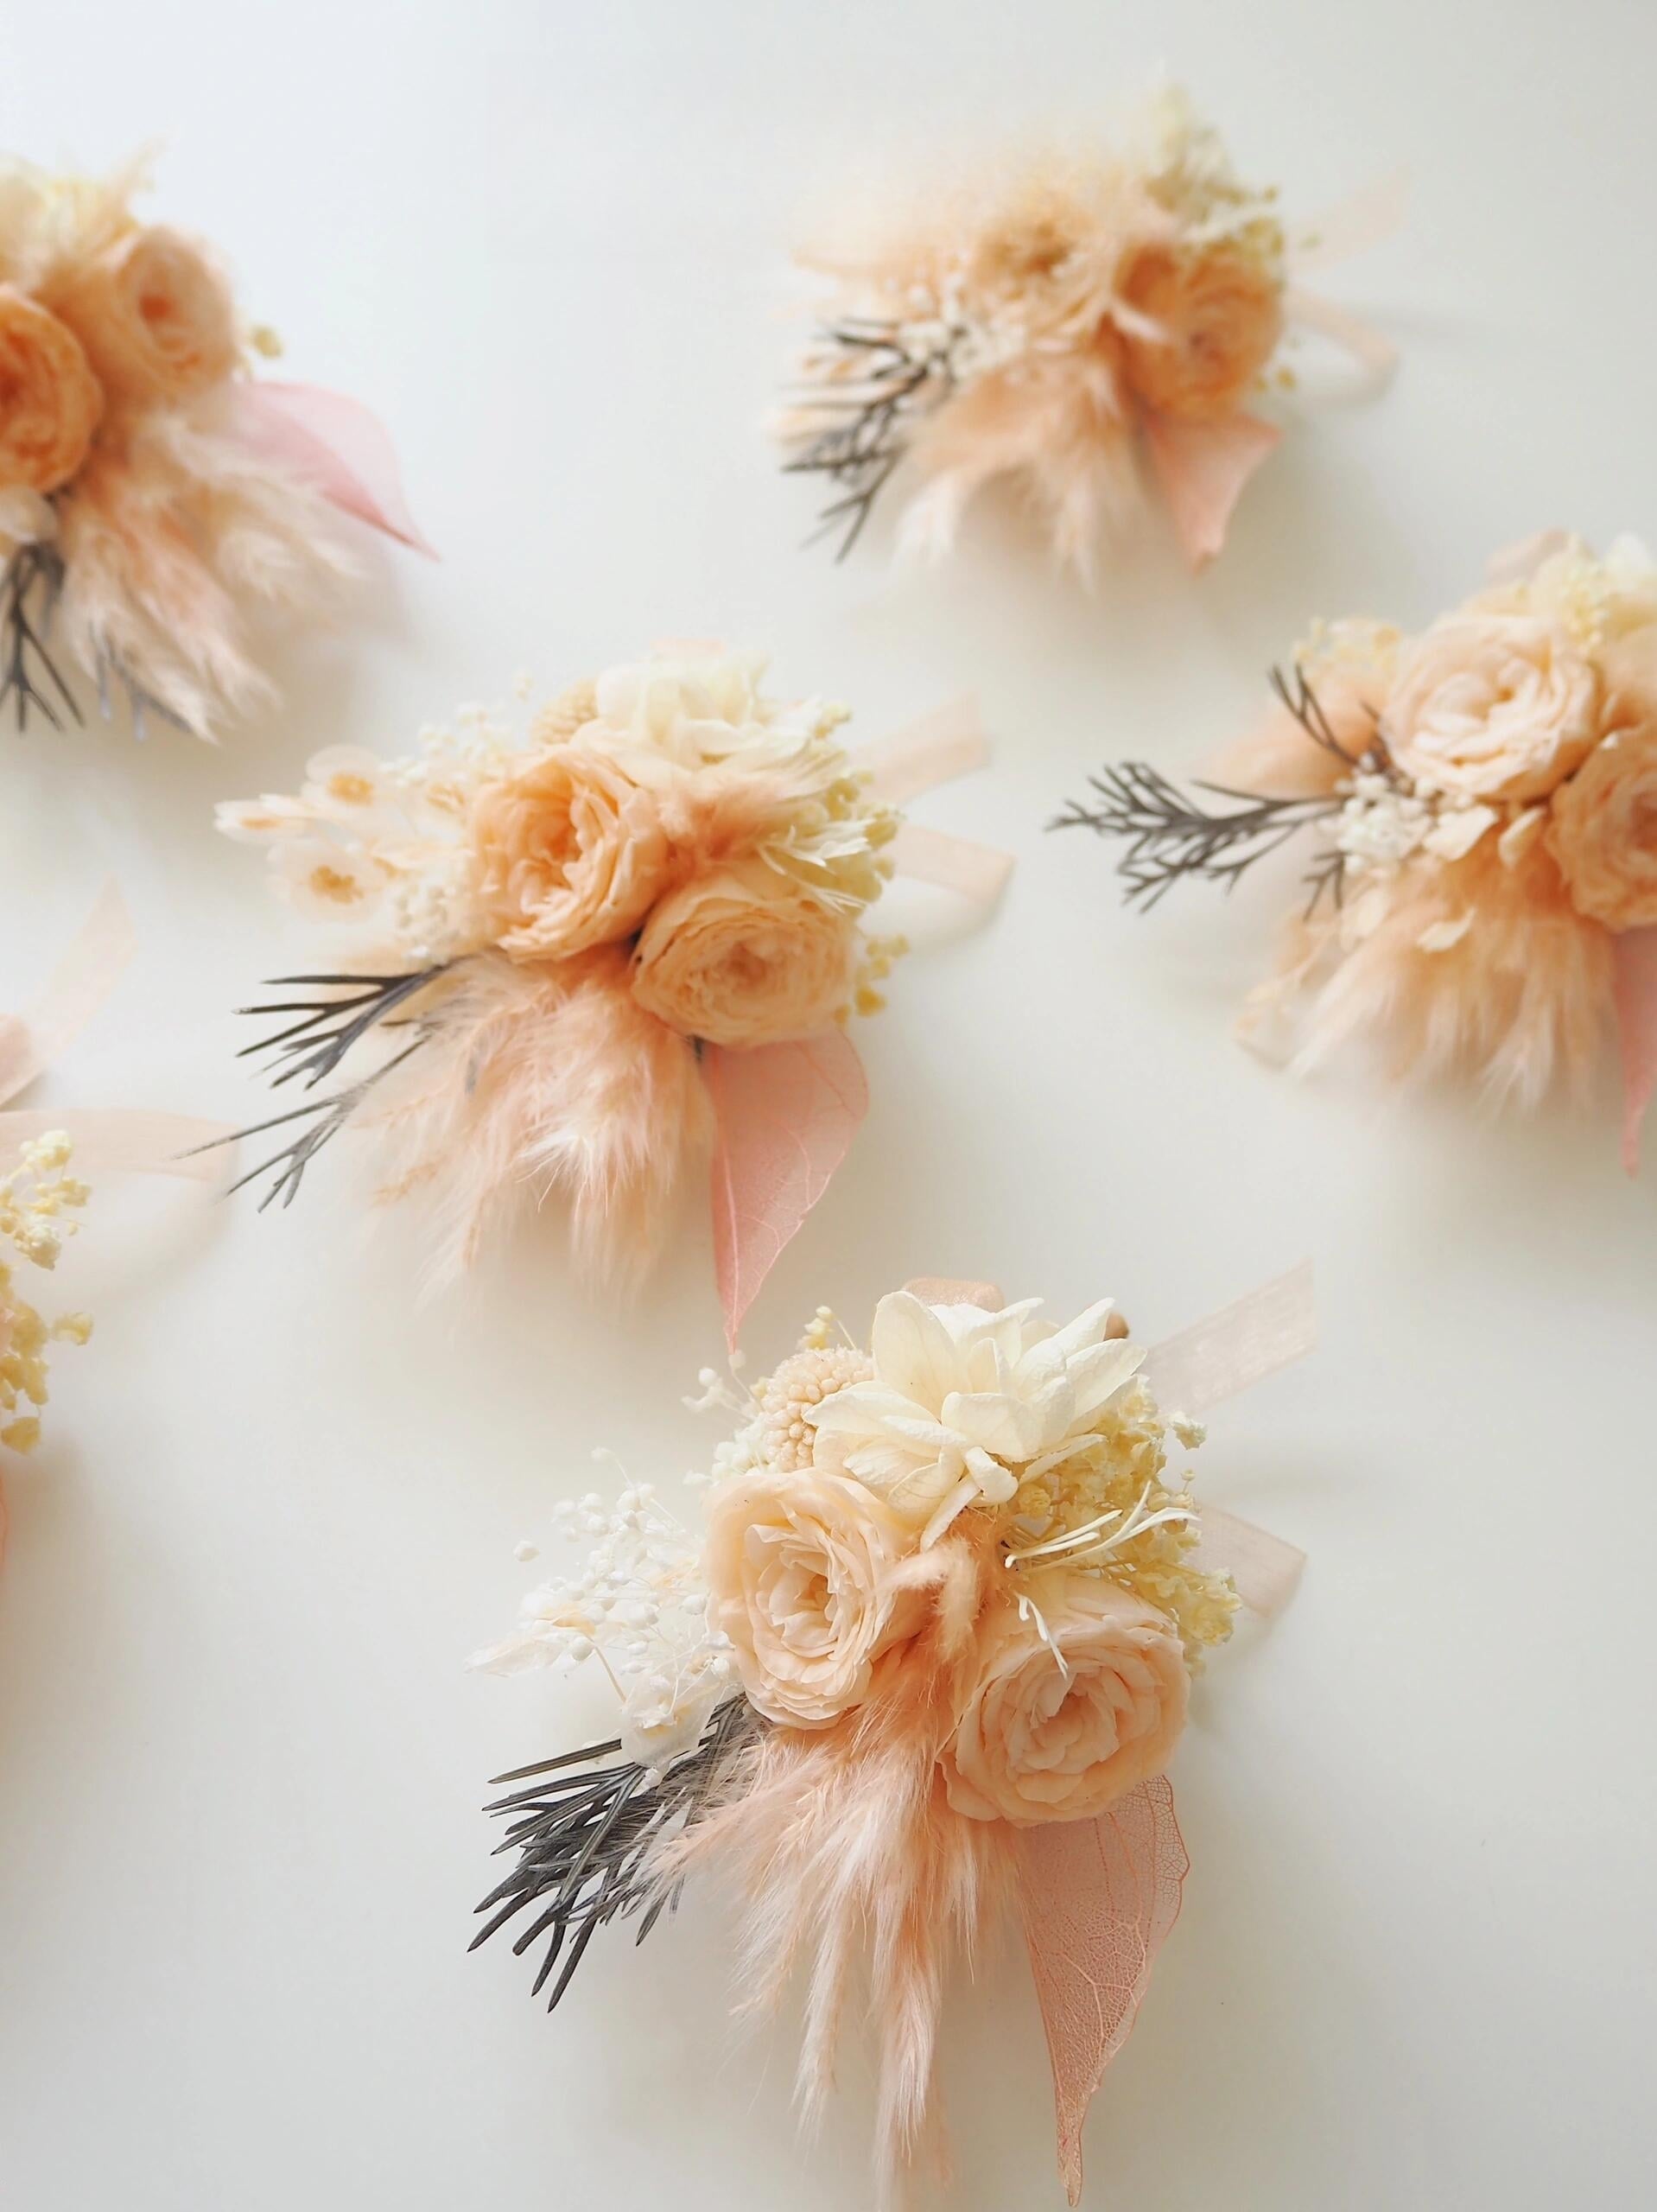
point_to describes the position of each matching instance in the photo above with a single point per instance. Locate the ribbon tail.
(933, 749)
(784, 1116)
(335, 445)
(1366, 218)
(1238, 1346)
(1098, 1897)
(1341, 327)
(78, 986)
(1634, 978)
(1264, 1568)
(977, 872)
(1202, 469)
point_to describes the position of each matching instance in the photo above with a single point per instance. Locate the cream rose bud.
(1039, 1741)
(154, 316)
(569, 853)
(801, 1573)
(1492, 706)
(50, 401)
(745, 957)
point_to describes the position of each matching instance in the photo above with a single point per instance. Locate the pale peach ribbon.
(934, 749)
(141, 1143)
(1367, 220)
(1097, 1897)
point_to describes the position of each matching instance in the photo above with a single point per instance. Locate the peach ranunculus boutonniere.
(154, 492)
(1065, 323)
(1481, 897)
(924, 1662)
(588, 955)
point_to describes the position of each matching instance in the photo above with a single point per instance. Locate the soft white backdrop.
(239, 1761)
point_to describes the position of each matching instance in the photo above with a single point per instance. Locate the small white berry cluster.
(637, 1604)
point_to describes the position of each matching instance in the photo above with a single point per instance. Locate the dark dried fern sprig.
(586, 1833)
(313, 1047)
(325, 1117)
(878, 384)
(31, 583)
(1169, 836)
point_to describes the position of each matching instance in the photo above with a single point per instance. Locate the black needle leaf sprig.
(584, 1832)
(31, 583)
(312, 1048)
(1169, 836)
(878, 384)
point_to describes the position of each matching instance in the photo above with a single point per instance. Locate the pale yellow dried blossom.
(1117, 1479)
(1559, 577)
(38, 1202)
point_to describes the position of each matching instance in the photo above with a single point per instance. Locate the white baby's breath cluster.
(39, 1200)
(638, 1606)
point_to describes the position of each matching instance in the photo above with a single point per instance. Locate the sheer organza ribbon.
(785, 1116)
(1097, 1897)
(30, 1043)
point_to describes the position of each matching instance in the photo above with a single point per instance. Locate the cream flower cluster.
(723, 838)
(39, 1200)
(1528, 718)
(974, 1518)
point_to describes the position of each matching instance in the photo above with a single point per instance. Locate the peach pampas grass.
(844, 1844)
(1520, 1000)
(162, 536)
(555, 1077)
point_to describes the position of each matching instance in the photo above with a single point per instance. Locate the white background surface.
(239, 1760)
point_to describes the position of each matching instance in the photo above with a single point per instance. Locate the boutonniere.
(920, 1660)
(1070, 324)
(156, 492)
(588, 955)
(1478, 805)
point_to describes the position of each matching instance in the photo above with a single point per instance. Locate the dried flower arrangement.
(602, 951)
(922, 1665)
(1057, 322)
(152, 491)
(1483, 896)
